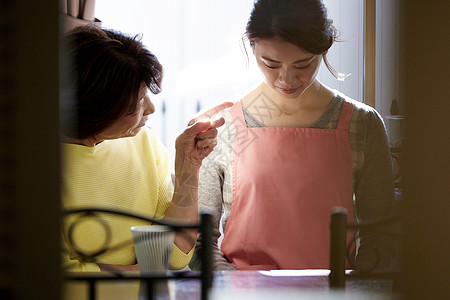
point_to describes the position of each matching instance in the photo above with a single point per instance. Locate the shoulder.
(228, 117)
(226, 133)
(358, 106)
(148, 135)
(147, 141)
(227, 113)
(366, 125)
(362, 113)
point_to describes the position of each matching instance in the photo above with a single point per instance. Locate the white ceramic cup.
(153, 245)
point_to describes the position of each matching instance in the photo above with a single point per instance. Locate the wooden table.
(248, 285)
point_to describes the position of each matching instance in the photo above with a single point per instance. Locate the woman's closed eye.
(297, 67)
(303, 67)
(270, 67)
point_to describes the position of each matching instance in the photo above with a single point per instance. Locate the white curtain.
(78, 12)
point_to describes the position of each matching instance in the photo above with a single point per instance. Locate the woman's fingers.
(211, 132)
(203, 127)
(200, 138)
(211, 112)
(216, 123)
(207, 143)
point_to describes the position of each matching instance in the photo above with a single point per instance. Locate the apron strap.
(237, 114)
(345, 116)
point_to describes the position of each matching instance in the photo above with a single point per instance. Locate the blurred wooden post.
(206, 254)
(338, 229)
(369, 52)
(424, 73)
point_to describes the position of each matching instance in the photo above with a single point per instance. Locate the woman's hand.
(192, 146)
(200, 138)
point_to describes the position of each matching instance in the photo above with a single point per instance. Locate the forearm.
(213, 189)
(192, 146)
(184, 205)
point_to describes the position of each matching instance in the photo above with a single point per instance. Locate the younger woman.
(292, 150)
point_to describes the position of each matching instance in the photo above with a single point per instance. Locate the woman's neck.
(88, 142)
(311, 98)
(271, 109)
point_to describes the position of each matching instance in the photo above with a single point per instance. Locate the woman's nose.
(149, 108)
(286, 76)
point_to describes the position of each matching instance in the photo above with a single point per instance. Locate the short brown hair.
(108, 69)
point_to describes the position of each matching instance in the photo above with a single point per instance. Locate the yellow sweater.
(127, 174)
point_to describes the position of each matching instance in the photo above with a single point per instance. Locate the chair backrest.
(338, 240)
(340, 250)
(204, 226)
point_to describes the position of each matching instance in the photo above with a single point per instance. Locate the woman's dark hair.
(304, 23)
(108, 70)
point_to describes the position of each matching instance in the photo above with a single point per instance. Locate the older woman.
(111, 160)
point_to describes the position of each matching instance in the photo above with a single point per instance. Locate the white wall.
(386, 84)
(387, 68)
(347, 56)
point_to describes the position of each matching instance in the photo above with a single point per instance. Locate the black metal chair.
(341, 252)
(205, 275)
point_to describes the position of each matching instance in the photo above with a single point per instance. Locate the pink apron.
(286, 180)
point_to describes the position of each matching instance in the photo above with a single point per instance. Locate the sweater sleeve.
(211, 189)
(374, 194)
